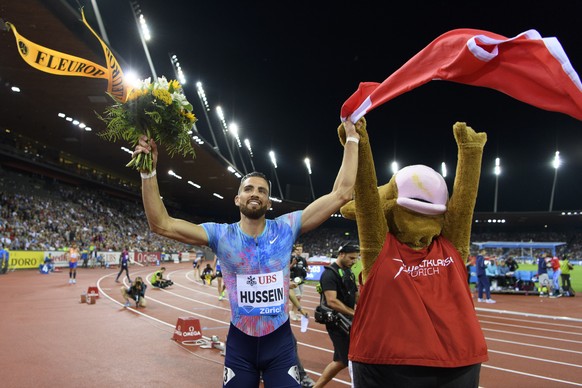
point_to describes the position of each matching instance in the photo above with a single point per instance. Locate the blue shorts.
(272, 356)
(72, 265)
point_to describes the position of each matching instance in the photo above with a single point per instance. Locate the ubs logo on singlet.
(251, 281)
(262, 279)
(425, 268)
(267, 279)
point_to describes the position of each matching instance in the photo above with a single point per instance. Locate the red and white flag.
(527, 67)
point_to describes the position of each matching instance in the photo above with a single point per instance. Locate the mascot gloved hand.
(415, 317)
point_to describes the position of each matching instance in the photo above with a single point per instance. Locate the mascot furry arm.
(372, 205)
(459, 215)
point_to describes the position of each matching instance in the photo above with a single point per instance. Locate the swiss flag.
(527, 67)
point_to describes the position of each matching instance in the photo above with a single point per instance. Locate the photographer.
(157, 279)
(136, 291)
(299, 270)
(340, 293)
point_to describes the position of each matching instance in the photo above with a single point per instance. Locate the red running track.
(49, 338)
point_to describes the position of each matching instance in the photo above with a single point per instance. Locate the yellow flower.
(174, 85)
(190, 116)
(163, 95)
(134, 94)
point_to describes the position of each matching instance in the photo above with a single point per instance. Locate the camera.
(325, 315)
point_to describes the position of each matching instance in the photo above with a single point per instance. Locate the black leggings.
(123, 267)
(566, 284)
(397, 376)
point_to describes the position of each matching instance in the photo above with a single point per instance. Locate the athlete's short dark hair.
(258, 175)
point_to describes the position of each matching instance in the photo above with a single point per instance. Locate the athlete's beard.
(253, 214)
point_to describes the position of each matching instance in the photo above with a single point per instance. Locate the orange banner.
(117, 86)
(55, 62)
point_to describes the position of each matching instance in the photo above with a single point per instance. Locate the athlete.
(207, 275)
(221, 287)
(254, 259)
(123, 265)
(196, 267)
(73, 256)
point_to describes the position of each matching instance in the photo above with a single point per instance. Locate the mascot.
(415, 324)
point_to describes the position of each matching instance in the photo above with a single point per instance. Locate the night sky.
(281, 70)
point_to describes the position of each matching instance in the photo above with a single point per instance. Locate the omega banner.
(55, 62)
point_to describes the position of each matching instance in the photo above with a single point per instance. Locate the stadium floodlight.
(274, 163)
(178, 72)
(497, 172)
(248, 145)
(273, 158)
(394, 167)
(234, 131)
(144, 28)
(250, 150)
(556, 164)
(202, 96)
(204, 101)
(308, 165)
(144, 34)
(220, 114)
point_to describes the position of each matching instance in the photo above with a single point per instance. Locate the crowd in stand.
(42, 214)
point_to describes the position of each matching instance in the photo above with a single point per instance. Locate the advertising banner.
(25, 259)
(147, 258)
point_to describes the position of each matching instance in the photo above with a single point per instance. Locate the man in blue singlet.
(254, 258)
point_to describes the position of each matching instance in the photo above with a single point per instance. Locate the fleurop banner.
(56, 62)
(527, 67)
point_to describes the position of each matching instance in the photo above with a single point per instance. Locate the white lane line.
(532, 375)
(533, 346)
(515, 333)
(536, 358)
(522, 314)
(539, 323)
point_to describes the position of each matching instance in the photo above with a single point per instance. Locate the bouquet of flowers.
(159, 110)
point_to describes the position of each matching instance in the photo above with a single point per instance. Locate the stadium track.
(49, 338)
